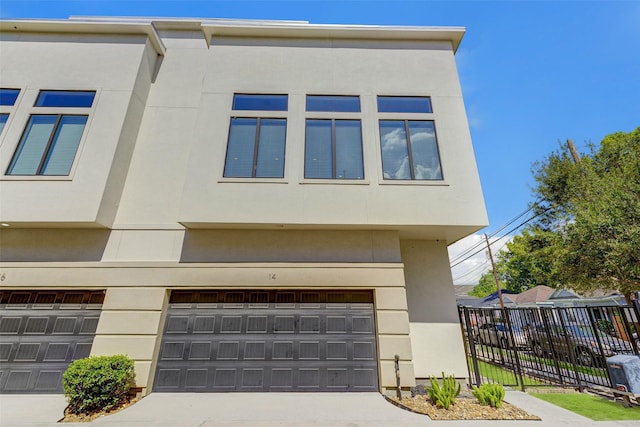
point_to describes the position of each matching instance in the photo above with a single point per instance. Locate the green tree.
(486, 286)
(526, 262)
(529, 260)
(592, 208)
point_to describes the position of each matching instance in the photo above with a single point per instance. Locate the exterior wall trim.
(79, 27)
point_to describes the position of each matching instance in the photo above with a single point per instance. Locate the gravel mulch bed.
(466, 408)
(85, 418)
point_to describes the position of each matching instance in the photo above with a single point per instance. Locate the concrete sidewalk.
(273, 409)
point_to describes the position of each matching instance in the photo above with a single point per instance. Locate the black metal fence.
(540, 346)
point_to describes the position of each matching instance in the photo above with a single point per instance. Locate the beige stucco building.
(236, 205)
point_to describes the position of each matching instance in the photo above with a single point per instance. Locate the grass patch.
(587, 370)
(502, 376)
(596, 408)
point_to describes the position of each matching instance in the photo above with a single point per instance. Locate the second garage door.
(268, 341)
(41, 333)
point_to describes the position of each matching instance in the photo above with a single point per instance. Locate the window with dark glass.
(409, 150)
(8, 96)
(260, 102)
(3, 121)
(333, 149)
(65, 98)
(50, 141)
(409, 147)
(404, 104)
(333, 146)
(256, 145)
(337, 103)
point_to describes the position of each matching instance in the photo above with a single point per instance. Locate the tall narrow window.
(409, 150)
(409, 147)
(50, 141)
(256, 145)
(333, 146)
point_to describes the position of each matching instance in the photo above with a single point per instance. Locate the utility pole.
(574, 151)
(495, 274)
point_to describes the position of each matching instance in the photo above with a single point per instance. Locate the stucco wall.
(149, 172)
(119, 69)
(436, 339)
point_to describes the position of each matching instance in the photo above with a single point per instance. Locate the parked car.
(579, 341)
(497, 334)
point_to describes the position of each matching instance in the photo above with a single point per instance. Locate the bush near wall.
(98, 383)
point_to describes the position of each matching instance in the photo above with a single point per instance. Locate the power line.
(481, 243)
(477, 267)
(472, 270)
(458, 261)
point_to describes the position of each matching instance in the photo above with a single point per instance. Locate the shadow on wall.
(38, 245)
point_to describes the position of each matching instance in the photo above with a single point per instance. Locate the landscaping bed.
(70, 417)
(465, 408)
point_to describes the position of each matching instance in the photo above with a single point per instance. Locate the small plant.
(489, 394)
(98, 383)
(606, 326)
(444, 396)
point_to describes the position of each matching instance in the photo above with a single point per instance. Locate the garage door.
(41, 333)
(268, 341)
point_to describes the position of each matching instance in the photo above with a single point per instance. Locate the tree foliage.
(486, 286)
(586, 235)
(597, 218)
(526, 262)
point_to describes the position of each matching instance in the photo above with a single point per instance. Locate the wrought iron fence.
(537, 346)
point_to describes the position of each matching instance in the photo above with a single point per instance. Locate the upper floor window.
(409, 147)
(333, 146)
(50, 140)
(63, 98)
(256, 145)
(339, 103)
(3, 120)
(404, 104)
(8, 98)
(260, 102)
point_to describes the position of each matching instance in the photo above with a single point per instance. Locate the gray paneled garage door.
(268, 341)
(41, 333)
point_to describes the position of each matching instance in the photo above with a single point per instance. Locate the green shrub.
(98, 383)
(489, 394)
(445, 395)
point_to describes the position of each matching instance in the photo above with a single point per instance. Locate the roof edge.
(234, 28)
(83, 27)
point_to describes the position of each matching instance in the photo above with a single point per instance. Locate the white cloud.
(424, 135)
(468, 272)
(394, 140)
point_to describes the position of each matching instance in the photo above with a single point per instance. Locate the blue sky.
(533, 73)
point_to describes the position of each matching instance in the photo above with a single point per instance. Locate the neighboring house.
(543, 296)
(236, 205)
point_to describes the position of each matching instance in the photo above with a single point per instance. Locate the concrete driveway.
(273, 409)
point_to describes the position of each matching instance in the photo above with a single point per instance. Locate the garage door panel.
(269, 341)
(41, 333)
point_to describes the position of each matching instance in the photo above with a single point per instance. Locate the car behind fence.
(541, 346)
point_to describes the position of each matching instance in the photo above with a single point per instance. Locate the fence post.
(472, 347)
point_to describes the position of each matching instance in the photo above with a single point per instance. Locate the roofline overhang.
(84, 27)
(213, 29)
(234, 28)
